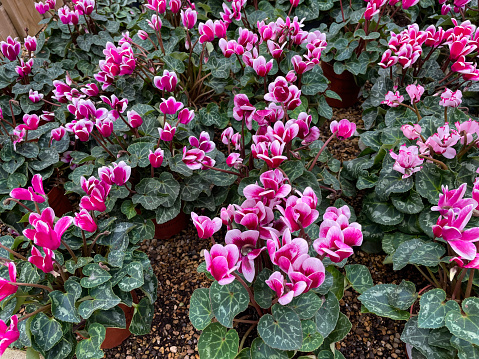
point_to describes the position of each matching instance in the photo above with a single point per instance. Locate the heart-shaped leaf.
(63, 304)
(263, 295)
(142, 317)
(433, 309)
(359, 277)
(227, 301)
(47, 331)
(327, 316)
(218, 342)
(281, 330)
(90, 348)
(465, 326)
(375, 299)
(306, 305)
(312, 340)
(259, 350)
(200, 309)
(96, 276)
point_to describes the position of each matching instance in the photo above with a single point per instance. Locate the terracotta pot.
(115, 336)
(344, 85)
(59, 202)
(172, 227)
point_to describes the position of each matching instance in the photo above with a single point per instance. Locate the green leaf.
(133, 278)
(63, 304)
(111, 318)
(141, 151)
(403, 296)
(103, 298)
(466, 326)
(47, 331)
(211, 116)
(433, 309)
(90, 348)
(430, 180)
(128, 209)
(314, 82)
(417, 251)
(263, 294)
(293, 169)
(142, 317)
(218, 342)
(259, 350)
(327, 316)
(343, 326)
(143, 230)
(412, 204)
(465, 350)
(177, 165)
(164, 214)
(338, 282)
(153, 192)
(96, 276)
(306, 305)
(375, 299)
(312, 340)
(71, 266)
(427, 219)
(382, 212)
(200, 309)
(218, 178)
(359, 277)
(391, 181)
(227, 301)
(281, 330)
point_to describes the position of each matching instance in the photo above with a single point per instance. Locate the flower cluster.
(119, 61)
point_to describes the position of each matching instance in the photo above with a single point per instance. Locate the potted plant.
(68, 278)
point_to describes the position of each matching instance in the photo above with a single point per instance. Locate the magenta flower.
(336, 243)
(300, 212)
(189, 18)
(57, 133)
(18, 136)
(44, 263)
(34, 96)
(262, 67)
(97, 191)
(407, 161)
(60, 91)
(284, 253)
(205, 226)
(175, 6)
(450, 98)
(453, 200)
(443, 141)
(85, 221)
(206, 31)
(167, 133)
(156, 5)
(134, 119)
(415, 92)
(31, 122)
(243, 110)
(6, 288)
(155, 23)
(307, 270)
(451, 229)
(156, 158)
(143, 35)
(193, 158)
(246, 244)
(333, 213)
(170, 106)
(81, 129)
(300, 66)
(284, 291)
(203, 142)
(343, 129)
(467, 130)
(42, 9)
(67, 16)
(411, 132)
(275, 187)
(220, 29)
(406, 4)
(234, 160)
(31, 43)
(230, 48)
(185, 116)
(45, 233)
(10, 48)
(121, 173)
(393, 99)
(34, 193)
(388, 60)
(8, 335)
(221, 262)
(166, 82)
(85, 7)
(274, 49)
(283, 133)
(105, 127)
(252, 214)
(118, 106)
(25, 68)
(269, 152)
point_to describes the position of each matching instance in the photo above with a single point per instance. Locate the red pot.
(344, 85)
(59, 202)
(172, 227)
(115, 336)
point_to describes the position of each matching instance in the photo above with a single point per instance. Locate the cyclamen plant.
(66, 276)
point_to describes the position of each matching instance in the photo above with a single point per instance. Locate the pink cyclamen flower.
(193, 158)
(155, 23)
(203, 142)
(44, 263)
(30, 122)
(407, 160)
(206, 31)
(134, 119)
(18, 136)
(337, 242)
(167, 133)
(270, 152)
(143, 35)
(85, 221)
(34, 193)
(453, 200)
(10, 48)
(450, 98)
(25, 68)
(307, 270)
(393, 99)
(406, 4)
(45, 233)
(67, 16)
(31, 43)
(252, 214)
(343, 129)
(234, 160)
(170, 106)
(85, 7)
(415, 92)
(105, 127)
(275, 187)
(286, 251)
(411, 132)
(81, 129)
(8, 335)
(221, 262)
(246, 244)
(185, 116)
(121, 173)
(467, 129)
(284, 291)
(97, 193)
(300, 212)
(205, 226)
(34, 96)
(166, 82)
(6, 288)
(243, 110)
(300, 66)
(189, 18)
(41, 7)
(443, 141)
(388, 60)
(156, 158)
(90, 89)
(156, 5)
(58, 133)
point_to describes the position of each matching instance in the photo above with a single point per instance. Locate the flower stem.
(90, 249)
(39, 310)
(440, 163)
(15, 254)
(74, 257)
(469, 283)
(18, 202)
(320, 151)
(222, 170)
(32, 285)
